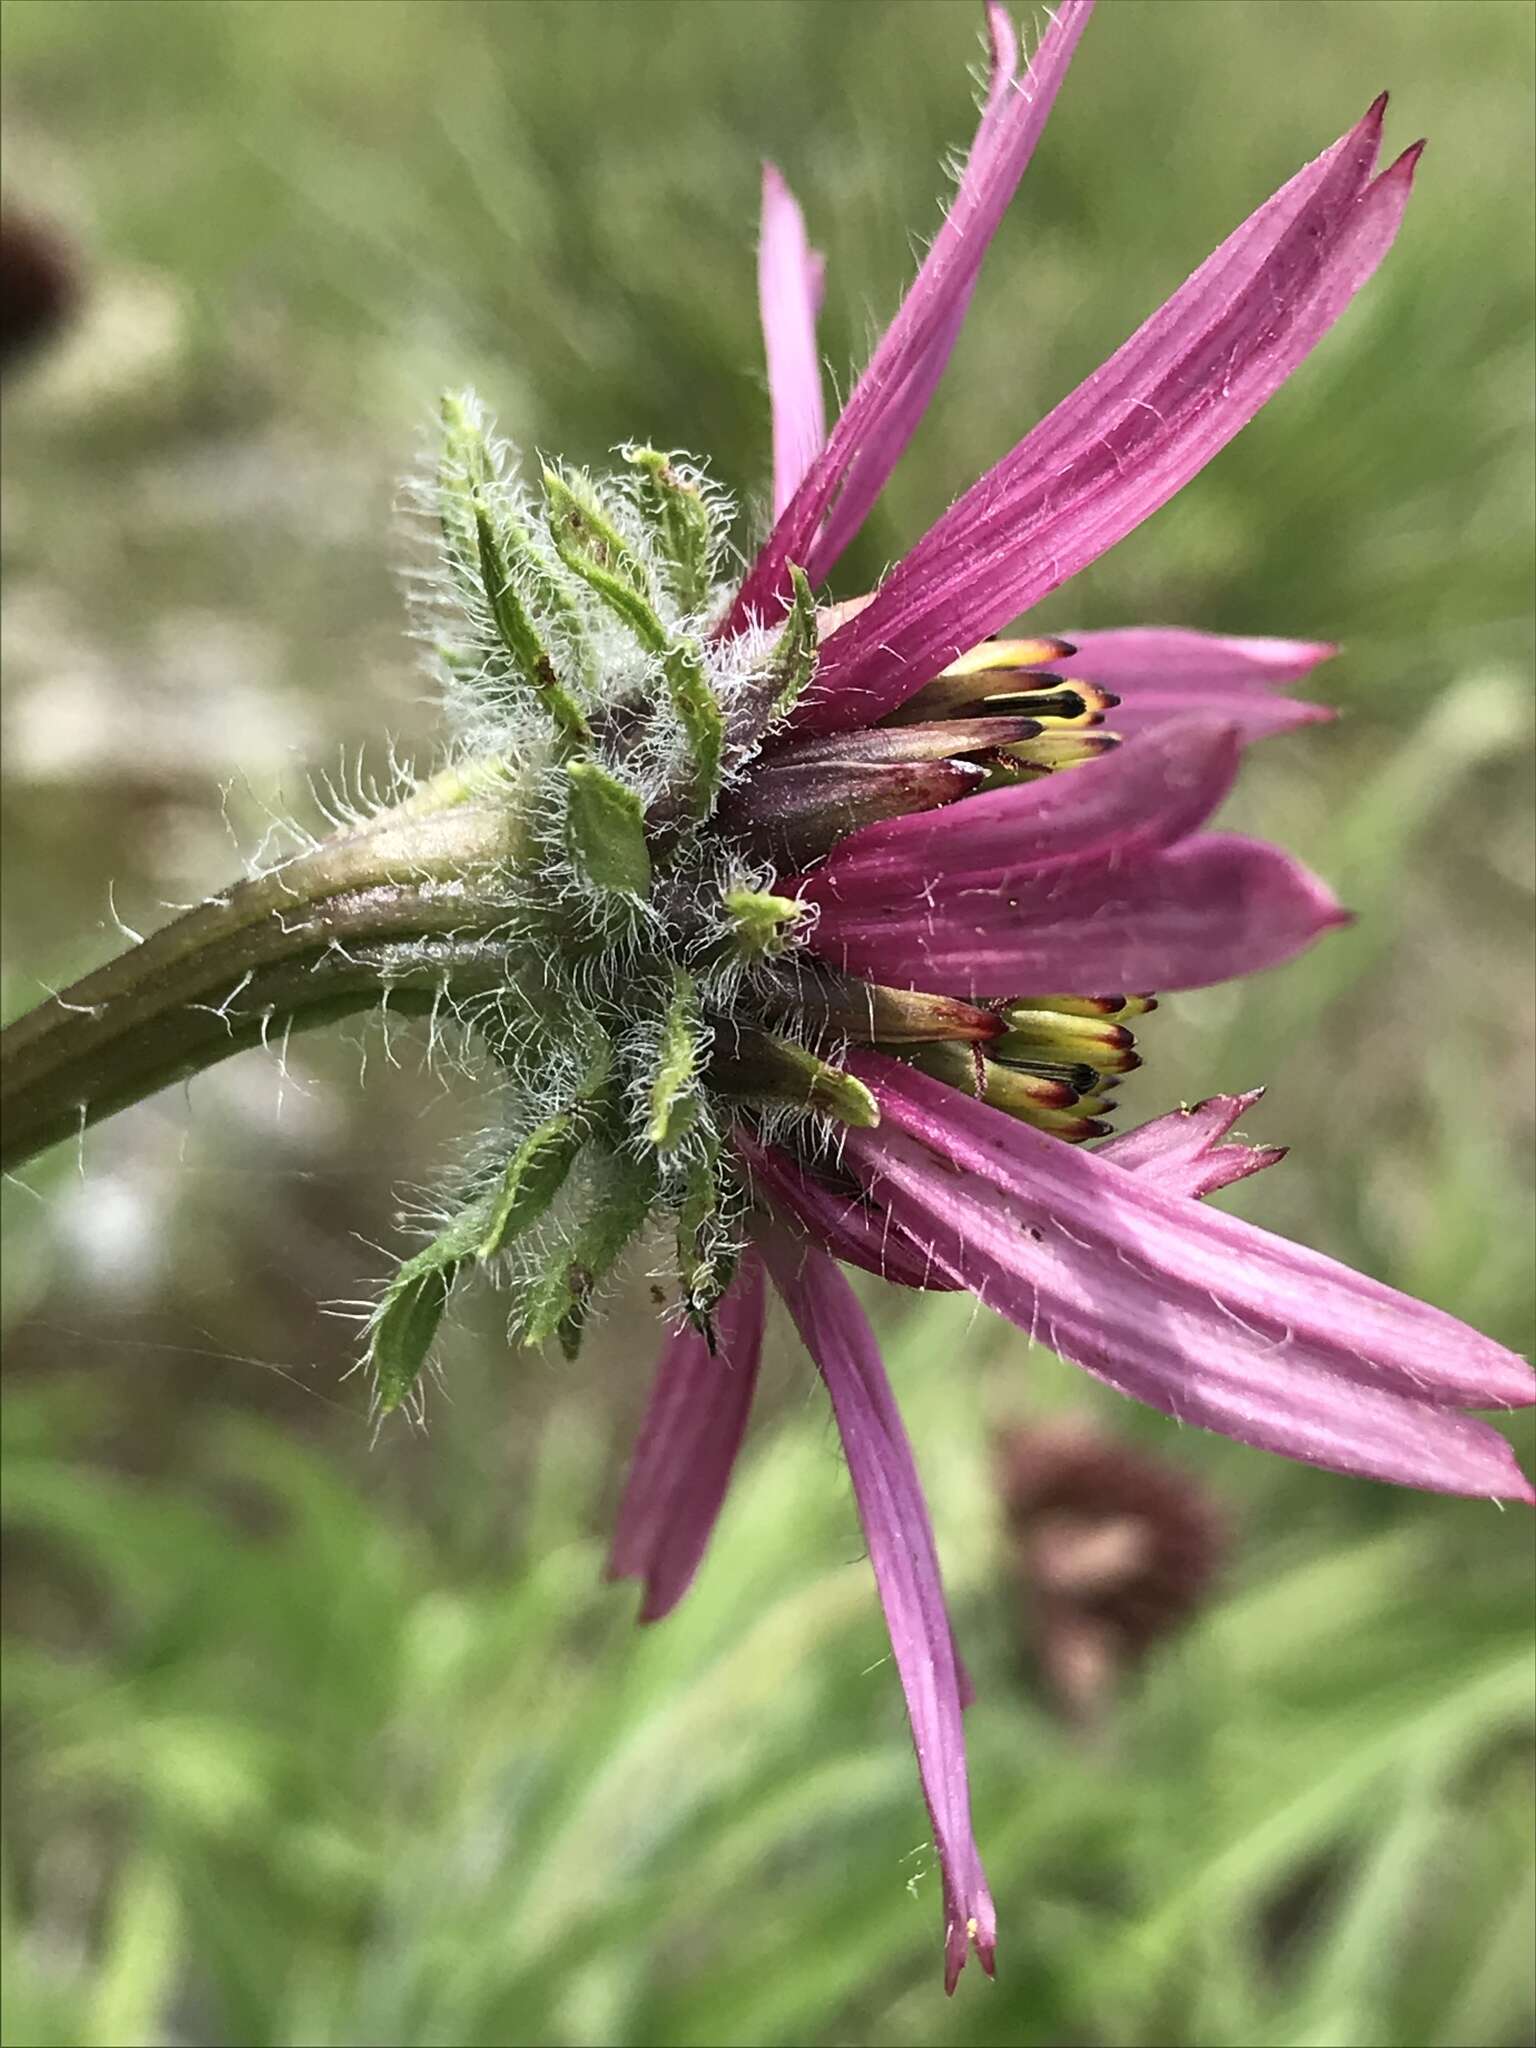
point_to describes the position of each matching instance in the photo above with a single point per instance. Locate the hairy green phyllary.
(571, 629)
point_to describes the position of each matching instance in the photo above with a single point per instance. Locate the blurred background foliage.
(310, 1739)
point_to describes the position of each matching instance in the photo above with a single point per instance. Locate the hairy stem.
(407, 905)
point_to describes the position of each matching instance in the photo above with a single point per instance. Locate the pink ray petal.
(1252, 714)
(1163, 672)
(852, 1229)
(1116, 809)
(1211, 908)
(889, 1493)
(891, 396)
(1127, 440)
(687, 1446)
(1274, 1397)
(790, 279)
(1183, 1153)
(1171, 657)
(1210, 1309)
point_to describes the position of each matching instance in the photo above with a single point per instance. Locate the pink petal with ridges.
(896, 1528)
(1213, 907)
(687, 1447)
(1252, 714)
(855, 1231)
(891, 396)
(1183, 1153)
(790, 278)
(1173, 657)
(1164, 672)
(1166, 1286)
(1122, 806)
(1274, 1396)
(1127, 440)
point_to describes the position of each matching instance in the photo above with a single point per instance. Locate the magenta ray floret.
(831, 503)
(1129, 437)
(687, 1446)
(790, 277)
(906, 1566)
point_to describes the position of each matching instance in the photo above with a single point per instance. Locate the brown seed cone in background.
(1113, 1551)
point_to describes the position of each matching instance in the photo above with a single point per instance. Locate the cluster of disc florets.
(593, 709)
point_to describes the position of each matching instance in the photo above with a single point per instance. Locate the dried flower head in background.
(1113, 1552)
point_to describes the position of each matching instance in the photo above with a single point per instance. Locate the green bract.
(572, 632)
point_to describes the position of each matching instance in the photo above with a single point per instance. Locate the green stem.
(408, 904)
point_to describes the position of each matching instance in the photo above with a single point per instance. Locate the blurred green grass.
(308, 1743)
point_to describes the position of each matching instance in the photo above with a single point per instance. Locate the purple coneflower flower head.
(822, 926)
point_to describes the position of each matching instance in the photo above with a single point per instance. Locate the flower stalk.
(404, 908)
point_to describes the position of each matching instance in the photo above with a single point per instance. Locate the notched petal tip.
(978, 1933)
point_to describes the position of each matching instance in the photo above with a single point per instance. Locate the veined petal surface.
(1206, 910)
(1127, 439)
(1192, 1310)
(892, 1510)
(1165, 672)
(892, 395)
(790, 278)
(686, 1450)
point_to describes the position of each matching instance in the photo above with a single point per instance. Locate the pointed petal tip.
(1403, 167)
(1367, 131)
(1512, 1488)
